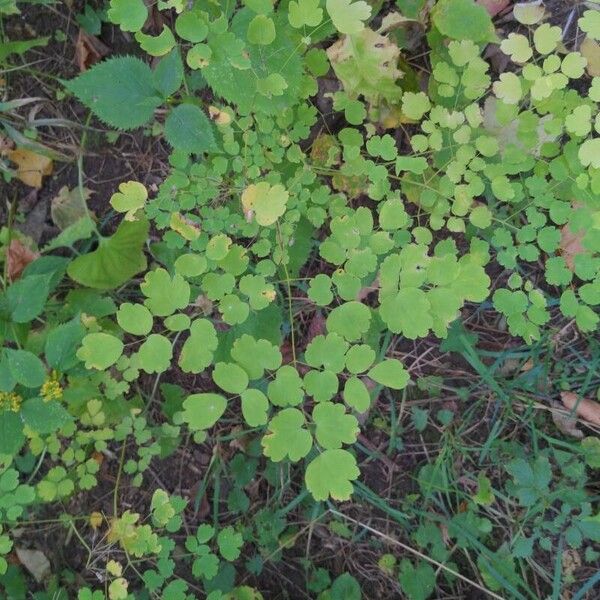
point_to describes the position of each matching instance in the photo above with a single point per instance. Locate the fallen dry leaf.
(571, 561)
(570, 245)
(220, 117)
(31, 167)
(88, 50)
(588, 410)
(494, 7)
(565, 422)
(6, 145)
(590, 50)
(18, 257)
(67, 206)
(35, 562)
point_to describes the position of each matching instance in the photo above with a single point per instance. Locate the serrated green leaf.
(120, 91)
(188, 129)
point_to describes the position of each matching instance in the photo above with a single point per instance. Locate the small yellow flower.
(10, 401)
(51, 389)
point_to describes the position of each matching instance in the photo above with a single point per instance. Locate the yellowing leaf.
(220, 117)
(184, 227)
(68, 206)
(95, 520)
(132, 196)
(590, 50)
(31, 167)
(264, 201)
(570, 245)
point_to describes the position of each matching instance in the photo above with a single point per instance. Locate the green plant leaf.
(135, 318)
(230, 377)
(286, 389)
(130, 198)
(255, 356)
(347, 16)
(463, 20)
(188, 129)
(25, 367)
(11, 433)
(254, 407)
(261, 30)
(333, 426)
(130, 15)
(27, 297)
(287, 436)
(304, 13)
(168, 74)
(202, 411)
(418, 583)
(350, 320)
(390, 373)
(230, 543)
(120, 91)
(192, 25)
(165, 294)
(155, 354)
(100, 350)
(198, 350)
(44, 417)
(62, 343)
(356, 395)
(331, 475)
(267, 202)
(359, 358)
(156, 45)
(116, 260)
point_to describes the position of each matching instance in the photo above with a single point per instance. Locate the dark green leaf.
(120, 91)
(62, 343)
(44, 417)
(27, 297)
(187, 128)
(25, 367)
(168, 74)
(11, 433)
